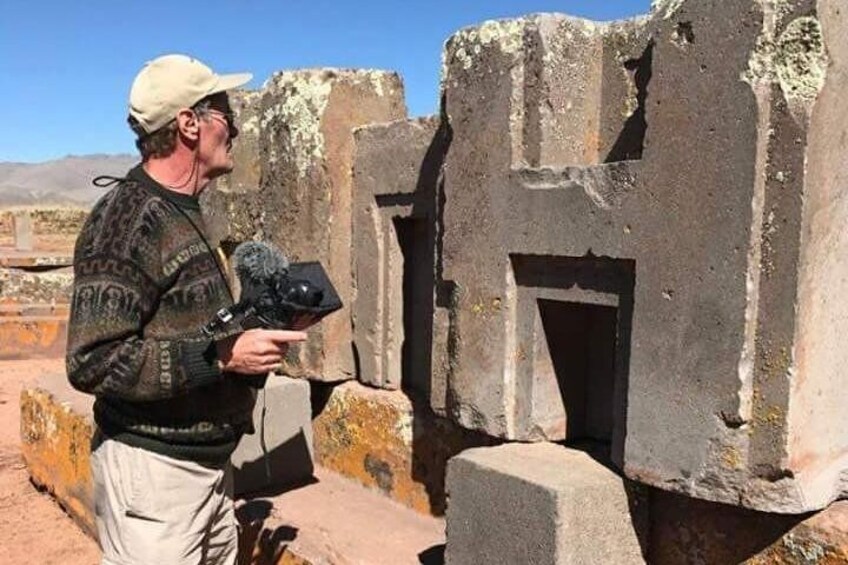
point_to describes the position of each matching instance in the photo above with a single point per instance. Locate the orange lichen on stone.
(383, 441)
(33, 337)
(55, 443)
(822, 539)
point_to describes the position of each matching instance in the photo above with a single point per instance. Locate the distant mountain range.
(64, 181)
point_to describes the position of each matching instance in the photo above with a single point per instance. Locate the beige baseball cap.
(172, 82)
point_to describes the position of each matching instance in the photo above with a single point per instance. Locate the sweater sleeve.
(108, 354)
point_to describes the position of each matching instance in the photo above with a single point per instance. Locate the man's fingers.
(274, 357)
(285, 336)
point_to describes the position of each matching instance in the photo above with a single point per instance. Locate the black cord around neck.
(208, 248)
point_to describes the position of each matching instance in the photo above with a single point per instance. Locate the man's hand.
(256, 352)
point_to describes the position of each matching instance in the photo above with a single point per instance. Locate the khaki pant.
(155, 510)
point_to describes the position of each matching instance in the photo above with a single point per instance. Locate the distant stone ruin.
(36, 249)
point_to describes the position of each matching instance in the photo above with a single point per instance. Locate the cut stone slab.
(652, 254)
(688, 530)
(390, 443)
(543, 504)
(23, 231)
(279, 453)
(33, 337)
(18, 286)
(56, 431)
(394, 231)
(22, 310)
(822, 539)
(292, 186)
(336, 521)
(10, 259)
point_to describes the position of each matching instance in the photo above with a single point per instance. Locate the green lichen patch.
(466, 45)
(797, 60)
(666, 8)
(800, 59)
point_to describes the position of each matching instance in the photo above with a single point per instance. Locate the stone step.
(335, 520)
(544, 504)
(33, 337)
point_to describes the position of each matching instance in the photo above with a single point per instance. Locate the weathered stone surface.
(642, 236)
(308, 525)
(56, 431)
(35, 259)
(516, 157)
(384, 441)
(23, 231)
(822, 539)
(18, 286)
(279, 453)
(293, 185)
(394, 231)
(542, 504)
(336, 521)
(33, 337)
(687, 530)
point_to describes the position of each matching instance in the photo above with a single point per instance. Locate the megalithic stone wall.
(292, 186)
(643, 231)
(396, 171)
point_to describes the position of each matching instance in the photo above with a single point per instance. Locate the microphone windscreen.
(257, 261)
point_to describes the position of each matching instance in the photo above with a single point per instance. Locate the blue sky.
(66, 67)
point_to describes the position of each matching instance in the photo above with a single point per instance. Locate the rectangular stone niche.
(417, 298)
(572, 336)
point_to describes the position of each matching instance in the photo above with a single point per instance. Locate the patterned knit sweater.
(145, 282)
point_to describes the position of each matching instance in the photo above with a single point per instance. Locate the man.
(171, 403)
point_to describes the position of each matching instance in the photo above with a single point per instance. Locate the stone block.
(688, 530)
(387, 442)
(18, 286)
(56, 432)
(279, 453)
(821, 539)
(664, 281)
(540, 503)
(7, 229)
(394, 231)
(33, 337)
(23, 231)
(336, 521)
(35, 259)
(296, 152)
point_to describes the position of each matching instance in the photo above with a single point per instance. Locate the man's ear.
(188, 124)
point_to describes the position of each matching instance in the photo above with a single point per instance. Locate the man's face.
(216, 137)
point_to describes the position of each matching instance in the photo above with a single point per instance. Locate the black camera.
(275, 294)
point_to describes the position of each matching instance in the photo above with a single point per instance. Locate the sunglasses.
(229, 119)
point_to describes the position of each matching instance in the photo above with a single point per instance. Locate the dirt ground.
(33, 528)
